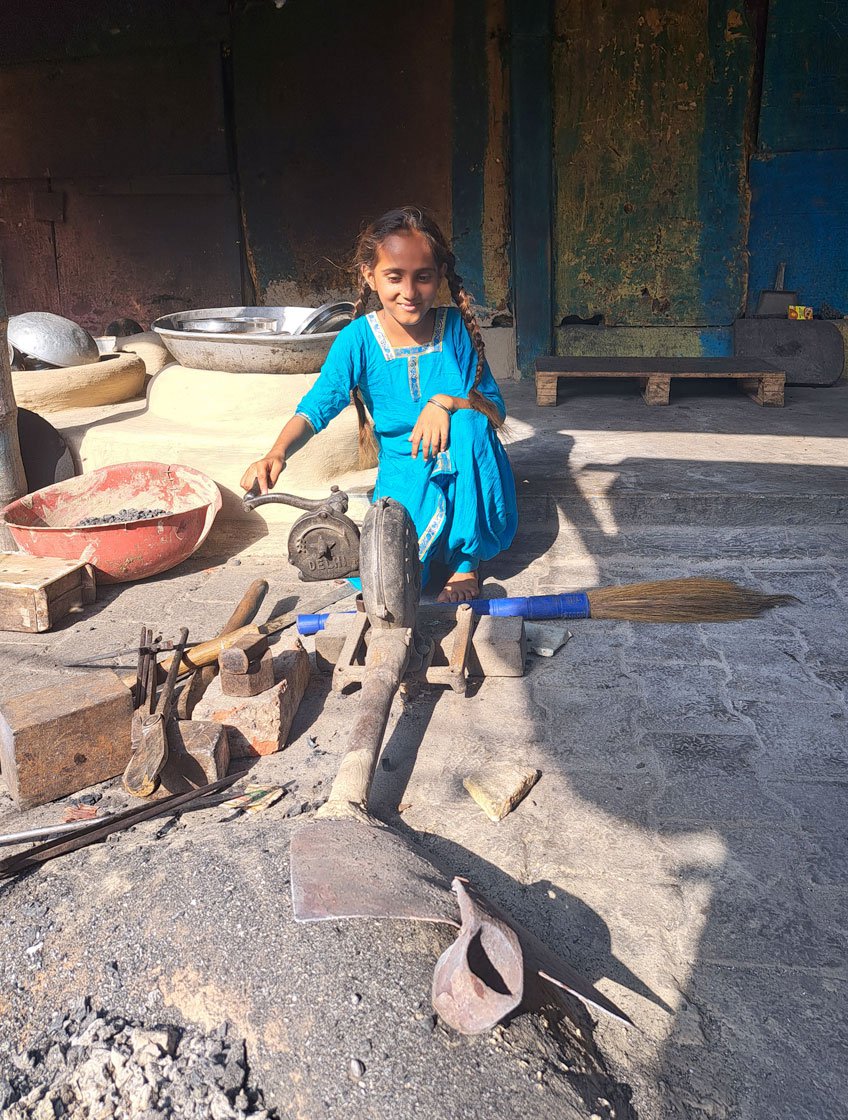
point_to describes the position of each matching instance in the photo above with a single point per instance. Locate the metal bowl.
(283, 351)
(52, 339)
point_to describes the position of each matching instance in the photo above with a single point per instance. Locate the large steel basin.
(274, 352)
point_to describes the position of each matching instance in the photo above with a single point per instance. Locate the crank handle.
(336, 501)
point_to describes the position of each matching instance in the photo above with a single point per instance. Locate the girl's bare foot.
(460, 587)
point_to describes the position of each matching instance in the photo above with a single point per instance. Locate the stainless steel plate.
(328, 317)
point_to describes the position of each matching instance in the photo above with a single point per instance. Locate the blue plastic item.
(573, 605)
(312, 623)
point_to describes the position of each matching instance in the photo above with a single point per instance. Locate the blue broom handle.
(312, 623)
(573, 605)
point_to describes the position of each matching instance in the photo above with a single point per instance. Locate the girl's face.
(405, 277)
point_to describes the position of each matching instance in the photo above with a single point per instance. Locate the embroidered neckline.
(390, 352)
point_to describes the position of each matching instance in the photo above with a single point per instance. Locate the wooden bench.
(760, 380)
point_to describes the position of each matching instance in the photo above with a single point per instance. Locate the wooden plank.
(760, 380)
(27, 249)
(647, 367)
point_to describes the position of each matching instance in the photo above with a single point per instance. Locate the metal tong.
(150, 720)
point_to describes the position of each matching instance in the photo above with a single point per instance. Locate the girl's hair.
(410, 219)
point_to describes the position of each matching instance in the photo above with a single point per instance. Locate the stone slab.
(498, 648)
(498, 787)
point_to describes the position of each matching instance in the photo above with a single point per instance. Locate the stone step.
(666, 551)
(550, 503)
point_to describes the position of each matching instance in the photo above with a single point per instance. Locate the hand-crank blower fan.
(346, 864)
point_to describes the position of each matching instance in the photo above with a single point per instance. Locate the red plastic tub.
(43, 523)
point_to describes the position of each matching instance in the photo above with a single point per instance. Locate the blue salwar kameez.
(463, 500)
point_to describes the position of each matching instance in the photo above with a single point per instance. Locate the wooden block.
(767, 390)
(198, 753)
(259, 725)
(656, 390)
(60, 739)
(546, 389)
(36, 592)
(499, 786)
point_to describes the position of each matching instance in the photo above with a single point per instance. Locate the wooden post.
(12, 477)
(655, 389)
(531, 179)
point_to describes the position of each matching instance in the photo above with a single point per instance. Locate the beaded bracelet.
(443, 407)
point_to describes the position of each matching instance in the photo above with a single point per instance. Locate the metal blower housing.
(389, 566)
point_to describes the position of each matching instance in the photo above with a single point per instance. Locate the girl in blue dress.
(422, 374)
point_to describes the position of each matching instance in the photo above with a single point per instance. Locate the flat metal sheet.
(348, 869)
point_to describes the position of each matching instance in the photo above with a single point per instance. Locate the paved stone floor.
(686, 845)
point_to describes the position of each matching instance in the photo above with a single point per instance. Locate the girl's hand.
(431, 433)
(265, 471)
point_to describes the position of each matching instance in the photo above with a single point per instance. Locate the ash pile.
(93, 1064)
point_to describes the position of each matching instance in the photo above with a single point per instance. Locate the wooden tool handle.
(207, 652)
(385, 664)
(248, 608)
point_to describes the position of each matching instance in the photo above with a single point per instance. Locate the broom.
(669, 600)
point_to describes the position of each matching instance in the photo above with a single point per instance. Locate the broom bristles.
(682, 600)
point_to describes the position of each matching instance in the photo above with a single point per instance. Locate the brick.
(259, 725)
(498, 648)
(58, 740)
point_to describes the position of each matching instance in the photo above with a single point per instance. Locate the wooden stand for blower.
(349, 666)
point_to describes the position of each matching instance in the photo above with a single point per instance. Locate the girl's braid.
(368, 449)
(463, 302)
(363, 295)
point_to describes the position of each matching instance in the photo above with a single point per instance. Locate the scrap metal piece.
(340, 869)
(237, 658)
(258, 677)
(95, 831)
(479, 979)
